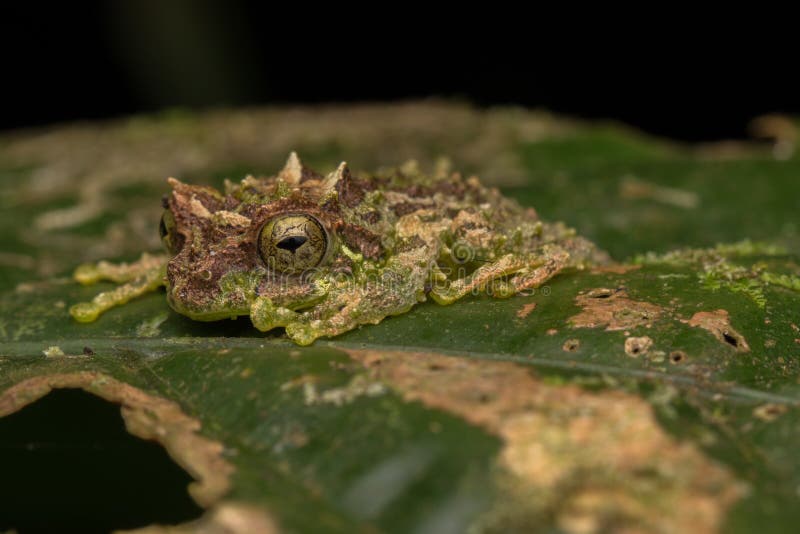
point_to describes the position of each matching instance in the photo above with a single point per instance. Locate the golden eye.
(293, 243)
(167, 229)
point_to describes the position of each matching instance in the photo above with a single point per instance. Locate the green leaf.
(608, 399)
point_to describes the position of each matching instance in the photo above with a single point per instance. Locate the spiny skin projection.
(321, 254)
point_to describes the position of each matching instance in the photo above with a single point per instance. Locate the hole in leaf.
(730, 339)
(677, 356)
(68, 464)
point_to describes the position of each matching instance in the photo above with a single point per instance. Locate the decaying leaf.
(316, 438)
(596, 461)
(718, 323)
(613, 309)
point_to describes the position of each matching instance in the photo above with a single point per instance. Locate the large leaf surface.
(325, 438)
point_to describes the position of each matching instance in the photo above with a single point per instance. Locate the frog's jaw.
(206, 315)
(227, 298)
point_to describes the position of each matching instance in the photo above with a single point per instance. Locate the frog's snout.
(197, 291)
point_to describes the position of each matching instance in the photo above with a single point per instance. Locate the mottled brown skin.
(390, 241)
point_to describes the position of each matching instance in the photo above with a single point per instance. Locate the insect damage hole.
(68, 464)
(634, 346)
(677, 356)
(730, 339)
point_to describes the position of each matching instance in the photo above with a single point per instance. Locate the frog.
(321, 254)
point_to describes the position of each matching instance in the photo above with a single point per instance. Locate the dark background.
(118, 57)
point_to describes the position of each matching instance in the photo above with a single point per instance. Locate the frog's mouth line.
(205, 315)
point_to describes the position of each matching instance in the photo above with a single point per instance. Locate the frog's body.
(320, 255)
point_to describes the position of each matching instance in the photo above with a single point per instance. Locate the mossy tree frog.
(321, 254)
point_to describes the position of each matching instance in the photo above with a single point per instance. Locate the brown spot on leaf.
(634, 346)
(146, 416)
(770, 412)
(526, 310)
(718, 323)
(613, 309)
(571, 345)
(634, 189)
(569, 455)
(615, 268)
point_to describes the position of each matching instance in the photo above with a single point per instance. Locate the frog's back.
(370, 206)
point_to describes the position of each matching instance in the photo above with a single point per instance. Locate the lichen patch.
(613, 309)
(718, 323)
(359, 386)
(584, 461)
(146, 416)
(53, 352)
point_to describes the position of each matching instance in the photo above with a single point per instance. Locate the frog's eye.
(293, 243)
(167, 229)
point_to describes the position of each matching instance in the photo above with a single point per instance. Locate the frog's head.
(279, 237)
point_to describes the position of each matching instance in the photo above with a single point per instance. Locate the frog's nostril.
(291, 243)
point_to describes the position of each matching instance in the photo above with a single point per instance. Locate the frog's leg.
(528, 271)
(266, 315)
(370, 296)
(91, 273)
(393, 290)
(342, 310)
(143, 276)
(350, 309)
(451, 291)
(531, 278)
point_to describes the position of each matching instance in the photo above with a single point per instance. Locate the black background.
(119, 57)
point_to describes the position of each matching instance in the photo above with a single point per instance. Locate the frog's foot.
(91, 273)
(302, 328)
(505, 277)
(340, 312)
(451, 291)
(148, 280)
(265, 315)
(531, 278)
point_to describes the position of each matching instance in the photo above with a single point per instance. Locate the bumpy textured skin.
(394, 239)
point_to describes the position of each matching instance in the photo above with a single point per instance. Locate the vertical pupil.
(291, 243)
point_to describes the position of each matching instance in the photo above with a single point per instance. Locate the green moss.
(784, 280)
(720, 267)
